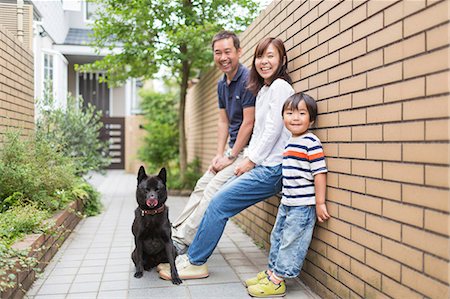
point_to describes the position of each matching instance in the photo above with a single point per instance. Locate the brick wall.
(16, 84)
(380, 73)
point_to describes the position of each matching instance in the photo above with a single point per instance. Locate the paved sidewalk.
(95, 261)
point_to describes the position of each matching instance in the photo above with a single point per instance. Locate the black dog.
(151, 227)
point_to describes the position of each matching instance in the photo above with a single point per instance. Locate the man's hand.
(222, 163)
(244, 166)
(212, 167)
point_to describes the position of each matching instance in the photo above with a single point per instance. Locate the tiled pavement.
(95, 262)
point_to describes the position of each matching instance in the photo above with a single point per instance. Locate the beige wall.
(134, 138)
(380, 73)
(16, 84)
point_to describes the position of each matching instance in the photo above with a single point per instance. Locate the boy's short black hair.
(224, 35)
(293, 101)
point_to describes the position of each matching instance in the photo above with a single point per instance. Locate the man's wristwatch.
(230, 156)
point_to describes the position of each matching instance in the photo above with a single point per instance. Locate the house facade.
(58, 33)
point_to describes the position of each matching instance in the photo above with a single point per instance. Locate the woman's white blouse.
(269, 134)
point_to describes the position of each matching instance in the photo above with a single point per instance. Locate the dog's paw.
(177, 281)
(138, 274)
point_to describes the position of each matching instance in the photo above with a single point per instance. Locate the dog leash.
(153, 212)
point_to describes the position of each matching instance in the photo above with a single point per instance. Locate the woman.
(258, 176)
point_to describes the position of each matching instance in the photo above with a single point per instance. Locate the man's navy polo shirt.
(234, 98)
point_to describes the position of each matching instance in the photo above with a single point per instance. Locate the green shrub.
(32, 171)
(91, 198)
(193, 173)
(161, 141)
(74, 131)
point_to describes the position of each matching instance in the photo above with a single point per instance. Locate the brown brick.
(339, 134)
(329, 90)
(309, 70)
(352, 183)
(368, 62)
(401, 10)
(354, 50)
(318, 80)
(426, 197)
(338, 258)
(426, 108)
(404, 49)
(340, 72)
(367, 133)
(328, 61)
(396, 290)
(384, 227)
(319, 246)
(406, 131)
(384, 113)
(387, 74)
(402, 253)
(352, 216)
(354, 17)
(340, 10)
(366, 238)
(338, 165)
(428, 63)
(352, 117)
(367, 168)
(426, 241)
(403, 213)
(329, 32)
(366, 203)
(426, 19)
(327, 120)
(404, 90)
(353, 84)
(438, 37)
(338, 196)
(318, 52)
(326, 236)
(352, 150)
(384, 37)
(369, 26)
(384, 189)
(434, 221)
(382, 264)
(330, 149)
(366, 274)
(332, 179)
(339, 103)
(309, 43)
(403, 172)
(354, 283)
(437, 176)
(368, 97)
(426, 153)
(351, 248)
(437, 268)
(340, 41)
(438, 83)
(428, 286)
(436, 130)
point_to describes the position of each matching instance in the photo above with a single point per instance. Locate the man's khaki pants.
(186, 225)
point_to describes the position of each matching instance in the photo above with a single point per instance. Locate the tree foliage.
(171, 34)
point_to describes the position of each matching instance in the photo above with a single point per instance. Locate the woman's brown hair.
(255, 81)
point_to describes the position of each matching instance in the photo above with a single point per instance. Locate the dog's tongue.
(152, 202)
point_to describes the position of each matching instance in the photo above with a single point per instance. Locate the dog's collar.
(153, 212)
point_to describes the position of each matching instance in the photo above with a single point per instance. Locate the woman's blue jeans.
(236, 195)
(290, 239)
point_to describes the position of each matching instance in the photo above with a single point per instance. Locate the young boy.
(304, 185)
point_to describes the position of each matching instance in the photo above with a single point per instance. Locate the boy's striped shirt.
(303, 158)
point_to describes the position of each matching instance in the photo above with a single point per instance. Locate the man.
(236, 119)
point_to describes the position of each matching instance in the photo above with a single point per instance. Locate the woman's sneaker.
(266, 288)
(255, 280)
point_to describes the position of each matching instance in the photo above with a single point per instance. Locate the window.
(48, 75)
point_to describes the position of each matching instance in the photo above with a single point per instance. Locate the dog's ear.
(141, 174)
(163, 175)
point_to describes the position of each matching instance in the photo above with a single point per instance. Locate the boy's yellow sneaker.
(266, 288)
(256, 279)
